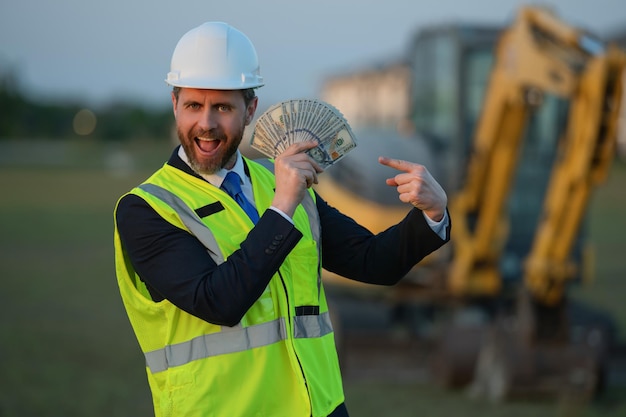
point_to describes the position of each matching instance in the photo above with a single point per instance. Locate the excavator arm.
(536, 55)
(586, 154)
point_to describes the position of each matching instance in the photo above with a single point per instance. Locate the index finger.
(398, 164)
(299, 147)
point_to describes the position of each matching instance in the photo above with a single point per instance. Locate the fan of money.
(301, 120)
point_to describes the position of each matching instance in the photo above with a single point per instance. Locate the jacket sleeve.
(174, 265)
(352, 251)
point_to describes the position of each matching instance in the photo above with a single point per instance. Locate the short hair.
(248, 94)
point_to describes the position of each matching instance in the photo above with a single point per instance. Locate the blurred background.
(85, 115)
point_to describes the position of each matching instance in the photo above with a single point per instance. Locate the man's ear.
(174, 101)
(251, 110)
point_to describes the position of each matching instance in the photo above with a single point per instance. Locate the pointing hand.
(417, 186)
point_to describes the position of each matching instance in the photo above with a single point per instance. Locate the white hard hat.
(215, 56)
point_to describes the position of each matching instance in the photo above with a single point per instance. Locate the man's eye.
(192, 105)
(223, 108)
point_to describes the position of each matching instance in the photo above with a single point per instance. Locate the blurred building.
(373, 97)
(380, 96)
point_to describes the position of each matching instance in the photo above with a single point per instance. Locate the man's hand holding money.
(295, 172)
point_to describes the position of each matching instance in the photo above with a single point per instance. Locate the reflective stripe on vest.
(189, 219)
(236, 339)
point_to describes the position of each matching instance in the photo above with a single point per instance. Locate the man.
(229, 308)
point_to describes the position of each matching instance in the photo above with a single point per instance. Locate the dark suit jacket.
(175, 265)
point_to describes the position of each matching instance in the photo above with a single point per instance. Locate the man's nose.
(208, 119)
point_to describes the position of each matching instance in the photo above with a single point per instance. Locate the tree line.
(22, 117)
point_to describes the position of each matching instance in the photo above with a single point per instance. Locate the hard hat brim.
(213, 84)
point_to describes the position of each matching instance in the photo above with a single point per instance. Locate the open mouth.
(207, 145)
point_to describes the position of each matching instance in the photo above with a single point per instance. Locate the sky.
(100, 52)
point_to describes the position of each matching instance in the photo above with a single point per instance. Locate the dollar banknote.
(301, 120)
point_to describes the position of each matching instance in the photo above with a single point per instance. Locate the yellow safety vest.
(280, 360)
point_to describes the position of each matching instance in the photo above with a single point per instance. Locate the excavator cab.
(450, 68)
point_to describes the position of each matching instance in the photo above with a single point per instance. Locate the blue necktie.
(232, 186)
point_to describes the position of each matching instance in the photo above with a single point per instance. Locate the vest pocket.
(307, 310)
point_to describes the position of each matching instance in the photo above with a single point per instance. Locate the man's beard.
(215, 164)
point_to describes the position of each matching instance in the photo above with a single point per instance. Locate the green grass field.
(66, 347)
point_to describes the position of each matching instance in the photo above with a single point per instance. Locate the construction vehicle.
(522, 123)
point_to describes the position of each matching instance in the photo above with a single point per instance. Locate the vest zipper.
(290, 323)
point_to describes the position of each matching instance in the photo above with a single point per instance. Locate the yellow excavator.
(522, 124)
